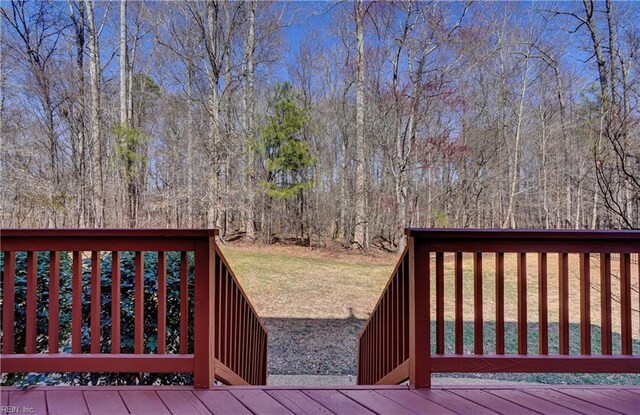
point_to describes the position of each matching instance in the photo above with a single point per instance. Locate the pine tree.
(287, 158)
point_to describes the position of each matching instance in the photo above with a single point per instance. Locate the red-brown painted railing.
(396, 343)
(229, 340)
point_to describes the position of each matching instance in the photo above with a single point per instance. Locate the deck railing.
(225, 341)
(396, 343)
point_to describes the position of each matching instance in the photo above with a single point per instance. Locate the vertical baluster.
(477, 303)
(367, 358)
(387, 325)
(459, 301)
(380, 341)
(376, 348)
(563, 293)
(394, 321)
(371, 348)
(522, 302)
(32, 301)
(543, 312)
(96, 272)
(243, 340)
(499, 302)
(264, 359)
(252, 337)
(625, 304)
(380, 355)
(388, 331)
(370, 358)
(139, 303)
(239, 332)
(403, 307)
(218, 305)
(115, 302)
(605, 304)
(234, 337)
(184, 303)
(162, 302)
(76, 304)
(54, 301)
(9, 301)
(228, 318)
(407, 304)
(585, 304)
(439, 303)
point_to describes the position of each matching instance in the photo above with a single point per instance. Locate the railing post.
(203, 324)
(419, 316)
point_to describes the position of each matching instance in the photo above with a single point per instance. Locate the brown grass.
(297, 282)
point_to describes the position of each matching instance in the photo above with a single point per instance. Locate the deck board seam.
(237, 400)
(494, 396)
(396, 402)
(450, 392)
(561, 404)
(124, 403)
(320, 403)
(593, 403)
(529, 407)
(298, 390)
(358, 403)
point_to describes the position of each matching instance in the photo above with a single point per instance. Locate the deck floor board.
(533, 403)
(144, 402)
(221, 402)
(258, 401)
(298, 403)
(29, 402)
(454, 402)
(348, 400)
(377, 403)
(183, 402)
(65, 402)
(105, 402)
(493, 401)
(604, 399)
(337, 402)
(416, 403)
(570, 402)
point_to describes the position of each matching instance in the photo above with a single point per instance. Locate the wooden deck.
(601, 400)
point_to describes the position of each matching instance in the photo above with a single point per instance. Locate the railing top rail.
(464, 233)
(101, 233)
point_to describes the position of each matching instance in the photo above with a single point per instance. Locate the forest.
(320, 123)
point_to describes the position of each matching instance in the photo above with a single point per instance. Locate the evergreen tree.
(287, 158)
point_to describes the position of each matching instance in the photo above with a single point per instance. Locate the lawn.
(315, 301)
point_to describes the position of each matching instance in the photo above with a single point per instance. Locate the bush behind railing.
(127, 271)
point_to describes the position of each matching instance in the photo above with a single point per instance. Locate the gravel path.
(312, 346)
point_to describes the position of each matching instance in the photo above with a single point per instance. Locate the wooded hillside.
(381, 116)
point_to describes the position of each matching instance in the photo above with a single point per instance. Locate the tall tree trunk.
(248, 114)
(86, 203)
(123, 64)
(190, 128)
(213, 207)
(515, 172)
(96, 172)
(361, 225)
